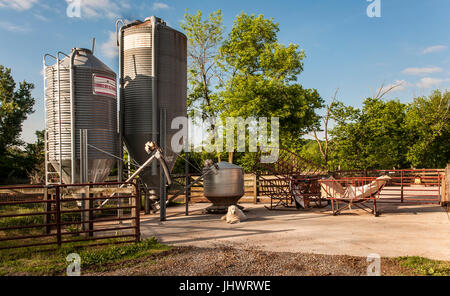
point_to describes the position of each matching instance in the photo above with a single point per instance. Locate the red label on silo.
(103, 85)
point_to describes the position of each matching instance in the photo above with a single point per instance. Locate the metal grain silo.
(153, 65)
(80, 94)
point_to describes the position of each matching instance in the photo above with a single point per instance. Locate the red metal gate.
(51, 215)
(407, 186)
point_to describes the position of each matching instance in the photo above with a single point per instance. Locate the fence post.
(90, 204)
(47, 208)
(146, 201)
(255, 188)
(187, 198)
(187, 179)
(445, 197)
(439, 187)
(136, 211)
(401, 184)
(58, 216)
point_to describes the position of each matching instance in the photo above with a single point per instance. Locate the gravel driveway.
(226, 261)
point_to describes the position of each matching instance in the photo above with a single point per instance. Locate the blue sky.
(345, 49)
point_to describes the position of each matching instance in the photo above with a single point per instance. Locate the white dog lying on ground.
(234, 215)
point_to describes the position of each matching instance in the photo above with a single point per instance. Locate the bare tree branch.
(382, 92)
(324, 150)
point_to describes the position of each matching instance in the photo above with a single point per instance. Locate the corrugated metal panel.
(138, 81)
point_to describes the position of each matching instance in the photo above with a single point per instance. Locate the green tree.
(311, 151)
(15, 106)
(428, 128)
(204, 39)
(371, 138)
(35, 159)
(261, 78)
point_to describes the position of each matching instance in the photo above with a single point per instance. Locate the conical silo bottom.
(98, 170)
(150, 176)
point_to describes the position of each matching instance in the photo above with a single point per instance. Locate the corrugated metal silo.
(84, 97)
(153, 60)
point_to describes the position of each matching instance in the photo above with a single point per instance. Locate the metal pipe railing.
(59, 221)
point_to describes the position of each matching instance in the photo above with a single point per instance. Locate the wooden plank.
(446, 186)
(106, 191)
(255, 189)
(23, 191)
(69, 190)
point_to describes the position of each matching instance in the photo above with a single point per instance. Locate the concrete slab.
(401, 230)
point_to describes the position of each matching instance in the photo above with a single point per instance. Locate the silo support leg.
(162, 144)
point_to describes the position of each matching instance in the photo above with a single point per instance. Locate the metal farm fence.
(32, 216)
(407, 186)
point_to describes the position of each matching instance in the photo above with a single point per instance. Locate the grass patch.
(30, 220)
(21, 221)
(36, 261)
(424, 266)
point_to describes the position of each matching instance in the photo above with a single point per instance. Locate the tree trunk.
(230, 157)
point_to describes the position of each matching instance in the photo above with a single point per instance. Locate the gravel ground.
(226, 261)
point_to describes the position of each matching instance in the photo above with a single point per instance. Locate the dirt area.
(225, 261)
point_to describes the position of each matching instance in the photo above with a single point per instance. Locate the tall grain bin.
(153, 59)
(80, 93)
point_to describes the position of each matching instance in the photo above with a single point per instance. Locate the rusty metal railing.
(359, 192)
(407, 186)
(62, 214)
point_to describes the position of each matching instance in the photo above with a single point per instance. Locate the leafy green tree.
(261, 78)
(428, 128)
(35, 158)
(311, 151)
(371, 138)
(36, 150)
(204, 39)
(15, 106)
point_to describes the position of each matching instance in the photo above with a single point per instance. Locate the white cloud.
(398, 84)
(428, 82)
(420, 71)
(109, 49)
(41, 17)
(125, 4)
(435, 48)
(160, 6)
(97, 8)
(102, 8)
(18, 4)
(14, 28)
